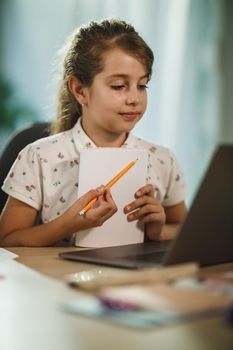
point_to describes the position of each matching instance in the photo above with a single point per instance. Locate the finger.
(140, 202)
(109, 205)
(97, 212)
(101, 199)
(146, 209)
(109, 214)
(112, 203)
(110, 199)
(100, 214)
(87, 197)
(106, 197)
(159, 218)
(105, 200)
(147, 189)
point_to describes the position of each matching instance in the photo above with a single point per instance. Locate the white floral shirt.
(45, 174)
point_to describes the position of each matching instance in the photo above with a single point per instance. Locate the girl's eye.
(117, 87)
(142, 87)
(122, 86)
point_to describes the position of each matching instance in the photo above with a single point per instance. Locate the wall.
(226, 64)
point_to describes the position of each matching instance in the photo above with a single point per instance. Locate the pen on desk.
(108, 186)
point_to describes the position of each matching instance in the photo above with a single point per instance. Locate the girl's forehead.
(117, 61)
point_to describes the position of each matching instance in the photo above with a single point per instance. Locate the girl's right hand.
(102, 210)
(22, 232)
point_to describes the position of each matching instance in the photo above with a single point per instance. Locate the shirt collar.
(81, 140)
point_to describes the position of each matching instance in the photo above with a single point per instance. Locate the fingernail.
(127, 208)
(130, 217)
(100, 189)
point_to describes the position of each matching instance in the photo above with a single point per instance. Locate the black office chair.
(17, 142)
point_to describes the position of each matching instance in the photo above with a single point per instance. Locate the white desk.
(31, 316)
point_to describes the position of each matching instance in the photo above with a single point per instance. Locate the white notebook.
(97, 167)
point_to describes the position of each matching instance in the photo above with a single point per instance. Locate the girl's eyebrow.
(112, 76)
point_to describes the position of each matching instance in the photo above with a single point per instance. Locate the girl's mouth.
(130, 115)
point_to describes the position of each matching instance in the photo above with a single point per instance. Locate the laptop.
(206, 235)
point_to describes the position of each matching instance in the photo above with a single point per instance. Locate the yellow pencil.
(108, 186)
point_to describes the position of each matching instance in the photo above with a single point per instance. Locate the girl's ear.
(77, 89)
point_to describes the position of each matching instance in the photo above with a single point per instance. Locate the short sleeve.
(24, 180)
(176, 190)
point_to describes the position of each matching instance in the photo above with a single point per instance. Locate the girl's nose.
(132, 97)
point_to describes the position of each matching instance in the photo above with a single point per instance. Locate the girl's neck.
(104, 139)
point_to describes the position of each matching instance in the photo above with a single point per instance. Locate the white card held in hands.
(98, 167)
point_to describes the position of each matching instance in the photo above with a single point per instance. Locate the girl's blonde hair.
(84, 58)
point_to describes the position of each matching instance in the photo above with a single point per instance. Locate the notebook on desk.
(206, 235)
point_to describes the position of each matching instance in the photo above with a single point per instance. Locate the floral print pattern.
(50, 169)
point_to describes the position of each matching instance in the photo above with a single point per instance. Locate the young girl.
(102, 96)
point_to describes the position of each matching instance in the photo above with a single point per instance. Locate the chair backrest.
(16, 143)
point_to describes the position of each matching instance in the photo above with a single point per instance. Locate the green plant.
(11, 109)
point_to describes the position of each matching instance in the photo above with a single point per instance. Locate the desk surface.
(31, 315)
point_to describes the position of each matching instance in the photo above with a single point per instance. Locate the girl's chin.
(125, 129)
(122, 126)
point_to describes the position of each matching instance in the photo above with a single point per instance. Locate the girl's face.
(116, 100)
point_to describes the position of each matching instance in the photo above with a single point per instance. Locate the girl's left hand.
(147, 210)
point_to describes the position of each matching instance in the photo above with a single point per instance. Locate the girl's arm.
(160, 223)
(18, 218)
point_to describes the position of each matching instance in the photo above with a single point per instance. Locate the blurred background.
(190, 94)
